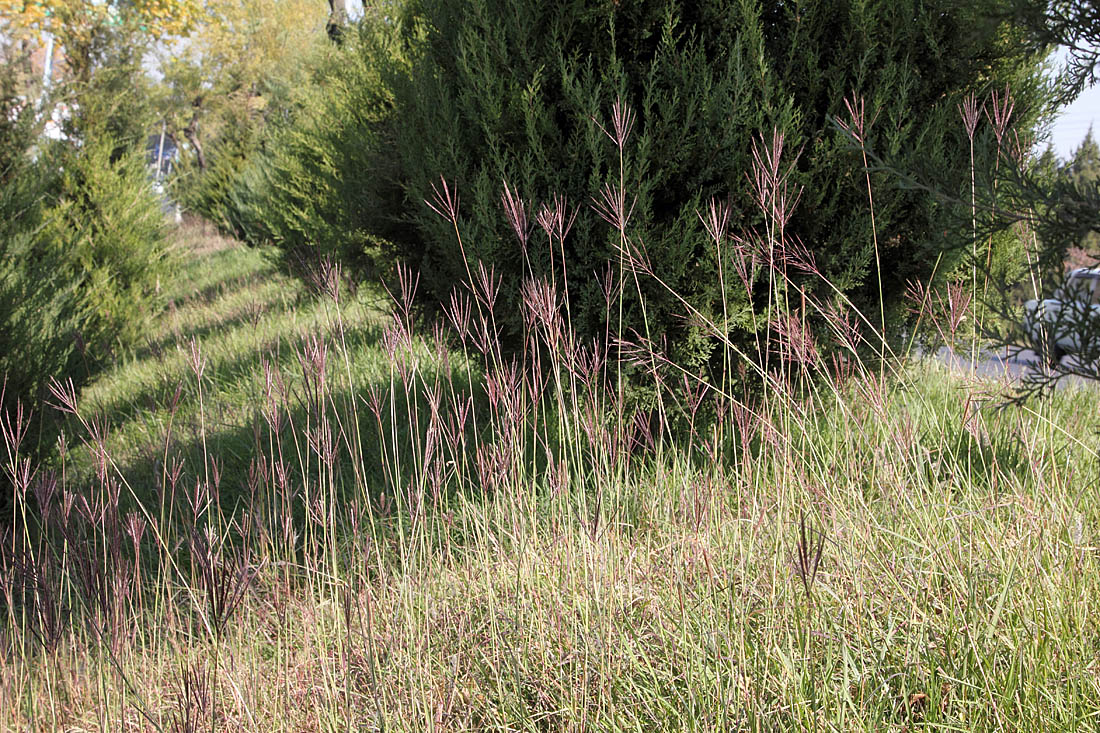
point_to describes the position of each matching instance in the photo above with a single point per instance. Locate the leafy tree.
(241, 66)
(71, 18)
(78, 25)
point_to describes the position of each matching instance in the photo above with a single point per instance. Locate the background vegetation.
(323, 184)
(82, 241)
(248, 64)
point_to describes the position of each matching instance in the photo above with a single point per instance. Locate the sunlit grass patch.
(342, 521)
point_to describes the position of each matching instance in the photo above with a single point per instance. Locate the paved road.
(1001, 366)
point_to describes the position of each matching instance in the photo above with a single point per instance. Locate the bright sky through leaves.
(1074, 120)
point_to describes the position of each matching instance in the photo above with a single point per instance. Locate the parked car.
(1068, 322)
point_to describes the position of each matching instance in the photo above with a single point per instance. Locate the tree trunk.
(191, 132)
(337, 20)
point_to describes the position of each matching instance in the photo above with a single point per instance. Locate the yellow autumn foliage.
(74, 20)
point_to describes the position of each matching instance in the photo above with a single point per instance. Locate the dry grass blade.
(809, 548)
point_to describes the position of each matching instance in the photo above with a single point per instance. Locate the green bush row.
(317, 180)
(82, 254)
(512, 90)
(520, 92)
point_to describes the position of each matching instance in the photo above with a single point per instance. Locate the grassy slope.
(957, 588)
(240, 313)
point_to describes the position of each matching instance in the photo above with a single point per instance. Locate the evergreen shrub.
(517, 91)
(318, 184)
(82, 257)
(209, 193)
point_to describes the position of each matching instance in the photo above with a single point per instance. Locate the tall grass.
(412, 527)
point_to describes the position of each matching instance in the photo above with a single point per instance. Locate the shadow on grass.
(243, 458)
(267, 308)
(239, 369)
(202, 281)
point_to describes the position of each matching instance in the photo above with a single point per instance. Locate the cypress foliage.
(82, 252)
(209, 192)
(319, 183)
(83, 256)
(516, 90)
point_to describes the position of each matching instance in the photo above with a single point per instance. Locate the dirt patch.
(198, 236)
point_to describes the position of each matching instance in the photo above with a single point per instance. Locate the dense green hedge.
(484, 92)
(82, 257)
(317, 180)
(512, 90)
